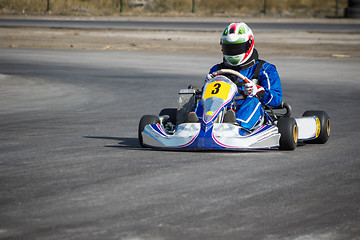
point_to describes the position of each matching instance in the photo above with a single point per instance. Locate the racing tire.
(289, 133)
(324, 126)
(145, 120)
(171, 112)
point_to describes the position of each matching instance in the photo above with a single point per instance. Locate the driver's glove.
(208, 77)
(253, 90)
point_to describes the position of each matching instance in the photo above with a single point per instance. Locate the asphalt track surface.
(172, 25)
(71, 166)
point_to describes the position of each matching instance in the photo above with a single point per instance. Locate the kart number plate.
(217, 89)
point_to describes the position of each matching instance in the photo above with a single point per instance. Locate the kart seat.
(282, 105)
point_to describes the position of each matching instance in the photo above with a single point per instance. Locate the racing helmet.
(237, 43)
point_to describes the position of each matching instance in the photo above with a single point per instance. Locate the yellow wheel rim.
(295, 131)
(328, 127)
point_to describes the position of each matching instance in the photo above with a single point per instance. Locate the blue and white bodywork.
(218, 136)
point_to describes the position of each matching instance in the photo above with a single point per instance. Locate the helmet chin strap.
(248, 64)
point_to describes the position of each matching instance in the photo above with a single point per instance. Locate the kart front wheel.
(289, 133)
(324, 122)
(145, 120)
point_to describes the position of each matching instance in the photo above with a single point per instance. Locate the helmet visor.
(235, 48)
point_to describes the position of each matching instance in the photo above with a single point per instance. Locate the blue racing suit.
(250, 111)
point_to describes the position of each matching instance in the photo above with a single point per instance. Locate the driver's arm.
(270, 81)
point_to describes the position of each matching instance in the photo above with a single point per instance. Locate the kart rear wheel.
(324, 126)
(289, 133)
(145, 120)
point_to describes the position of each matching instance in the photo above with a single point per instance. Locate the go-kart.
(172, 129)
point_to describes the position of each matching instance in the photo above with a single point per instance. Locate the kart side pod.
(312, 127)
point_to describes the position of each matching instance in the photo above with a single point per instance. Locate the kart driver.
(239, 54)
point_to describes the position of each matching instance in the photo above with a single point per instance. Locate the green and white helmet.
(237, 43)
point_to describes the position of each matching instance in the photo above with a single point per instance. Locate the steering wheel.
(235, 73)
(237, 81)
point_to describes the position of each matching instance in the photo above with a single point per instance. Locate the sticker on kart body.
(217, 89)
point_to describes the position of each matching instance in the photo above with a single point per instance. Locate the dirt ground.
(289, 43)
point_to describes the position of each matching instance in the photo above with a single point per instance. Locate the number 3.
(217, 88)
